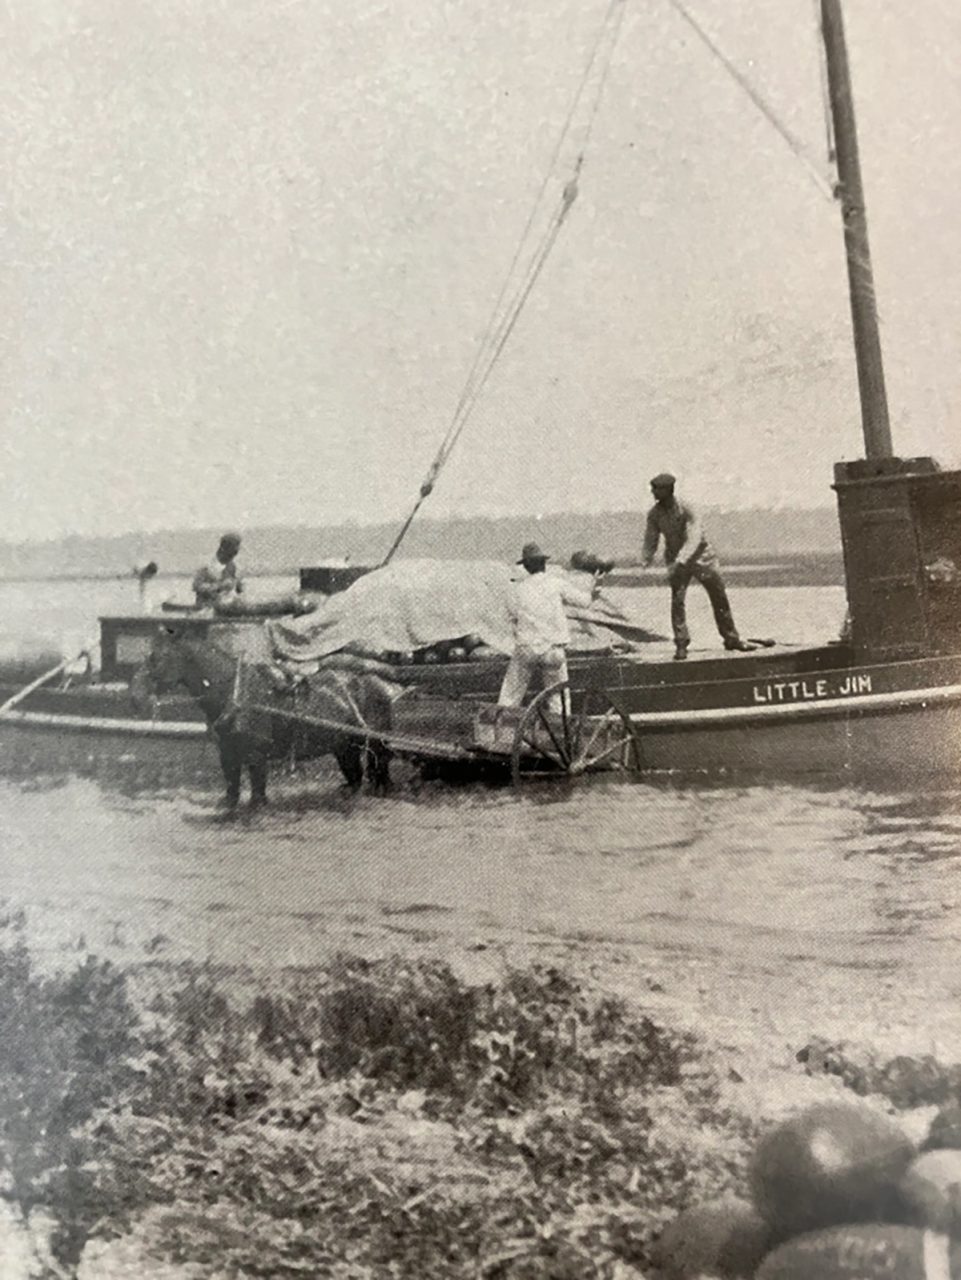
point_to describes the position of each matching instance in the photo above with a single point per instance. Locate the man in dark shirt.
(688, 554)
(218, 582)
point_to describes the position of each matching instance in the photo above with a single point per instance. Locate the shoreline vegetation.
(758, 535)
(370, 1118)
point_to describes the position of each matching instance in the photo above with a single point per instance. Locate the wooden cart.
(531, 742)
(539, 742)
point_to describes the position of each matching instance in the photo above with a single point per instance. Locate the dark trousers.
(710, 579)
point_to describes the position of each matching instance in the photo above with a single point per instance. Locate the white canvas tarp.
(403, 607)
(415, 603)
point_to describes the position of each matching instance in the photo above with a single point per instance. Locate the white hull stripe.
(104, 724)
(937, 1256)
(809, 709)
(941, 695)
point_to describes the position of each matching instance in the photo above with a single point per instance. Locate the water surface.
(760, 912)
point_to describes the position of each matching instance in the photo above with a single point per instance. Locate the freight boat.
(885, 698)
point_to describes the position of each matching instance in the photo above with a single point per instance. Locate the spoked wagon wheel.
(598, 736)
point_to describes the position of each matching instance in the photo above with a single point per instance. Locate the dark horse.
(227, 694)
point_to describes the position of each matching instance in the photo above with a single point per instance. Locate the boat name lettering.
(807, 690)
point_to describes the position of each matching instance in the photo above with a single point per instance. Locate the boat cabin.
(901, 535)
(125, 639)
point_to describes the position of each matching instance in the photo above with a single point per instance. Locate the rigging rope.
(495, 326)
(766, 110)
(497, 337)
(555, 157)
(503, 316)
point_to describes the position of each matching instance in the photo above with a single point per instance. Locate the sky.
(249, 250)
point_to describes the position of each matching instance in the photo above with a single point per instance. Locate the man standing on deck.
(688, 554)
(217, 582)
(541, 633)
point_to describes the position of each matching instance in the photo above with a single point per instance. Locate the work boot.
(680, 652)
(742, 646)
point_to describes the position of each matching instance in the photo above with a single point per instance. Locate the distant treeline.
(793, 569)
(801, 537)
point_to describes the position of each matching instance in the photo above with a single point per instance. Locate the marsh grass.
(369, 1119)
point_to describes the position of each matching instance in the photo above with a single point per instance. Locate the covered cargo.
(413, 604)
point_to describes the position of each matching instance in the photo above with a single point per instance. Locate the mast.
(875, 423)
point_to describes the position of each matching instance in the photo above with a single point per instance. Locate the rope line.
(509, 319)
(499, 337)
(494, 324)
(504, 315)
(555, 157)
(766, 110)
(620, 8)
(569, 194)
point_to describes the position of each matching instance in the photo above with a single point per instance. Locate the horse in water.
(232, 696)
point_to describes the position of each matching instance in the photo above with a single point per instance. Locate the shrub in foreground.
(372, 1119)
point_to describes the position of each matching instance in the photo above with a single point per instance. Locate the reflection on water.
(795, 909)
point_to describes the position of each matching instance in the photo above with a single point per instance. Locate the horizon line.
(349, 523)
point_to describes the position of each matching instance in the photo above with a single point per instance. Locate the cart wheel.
(599, 736)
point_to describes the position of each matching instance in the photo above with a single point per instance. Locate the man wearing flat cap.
(217, 582)
(541, 631)
(687, 554)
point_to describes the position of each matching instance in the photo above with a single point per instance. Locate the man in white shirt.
(541, 632)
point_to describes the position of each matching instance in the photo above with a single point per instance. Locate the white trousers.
(522, 668)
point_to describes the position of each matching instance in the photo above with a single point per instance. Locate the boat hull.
(789, 713)
(909, 741)
(94, 731)
(802, 718)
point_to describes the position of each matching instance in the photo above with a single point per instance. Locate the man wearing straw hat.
(541, 632)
